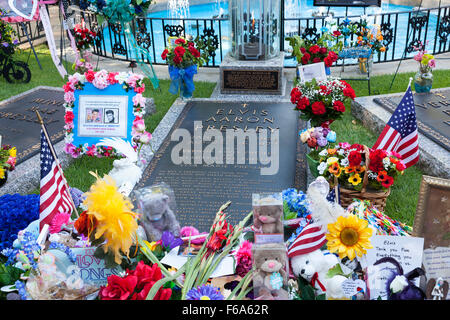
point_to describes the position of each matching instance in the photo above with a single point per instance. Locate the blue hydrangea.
(20, 286)
(16, 213)
(296, 201)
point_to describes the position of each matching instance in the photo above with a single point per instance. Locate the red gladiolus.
(164, 54)
(216, 241)
(339, 106)
(318, 108)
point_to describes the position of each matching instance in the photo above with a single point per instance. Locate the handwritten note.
(407, 251)
(436, 263)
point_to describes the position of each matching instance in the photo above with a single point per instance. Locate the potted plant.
(361, 172)
(7, 162)
(321, 102)
(317, 139)
(183, 58)
(423, 80)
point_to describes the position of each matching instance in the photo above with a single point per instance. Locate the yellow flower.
(116, 222)
(355, 179)
(332, 160)
(13, 152)
(349, 236)
(2, 173)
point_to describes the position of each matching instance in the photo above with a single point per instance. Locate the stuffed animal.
(267, 219)
(270, 276)
(158, 217)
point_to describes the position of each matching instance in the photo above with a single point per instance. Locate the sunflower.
(116, 223)
(355, 179)
(349, 236)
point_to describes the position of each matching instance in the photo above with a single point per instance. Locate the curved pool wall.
(295, 21)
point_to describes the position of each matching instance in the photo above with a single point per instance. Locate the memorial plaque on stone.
(432, 111)
(19, 125)
(200, 188)
(250, 80)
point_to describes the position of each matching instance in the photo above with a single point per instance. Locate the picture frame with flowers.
(128, 86)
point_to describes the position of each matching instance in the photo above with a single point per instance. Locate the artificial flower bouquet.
(84, 38)
(423, 80)
(321, 102)
(369, 36)
(7, 33)
(308, 52)
(183, 59)
(7, 160)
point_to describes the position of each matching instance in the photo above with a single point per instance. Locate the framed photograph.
(308, 72)
(171, 41)
(347, 3)
(432, 222)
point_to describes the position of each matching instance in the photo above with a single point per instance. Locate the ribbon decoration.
(314, 279)
(51, 39)
(138, 54)
(182, 80)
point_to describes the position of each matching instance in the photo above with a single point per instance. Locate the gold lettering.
(211, 119)
(268, 120)
(224, 119)
(219, 112)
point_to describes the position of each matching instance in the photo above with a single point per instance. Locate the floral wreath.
(102, 79)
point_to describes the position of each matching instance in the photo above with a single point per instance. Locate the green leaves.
(306, 291)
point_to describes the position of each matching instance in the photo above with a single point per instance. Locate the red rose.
(328, 61)
(194, 52)
(164, 54)
(67, 87)
(349, 92)
(316, 60)
(302, 103)
(180, 40)
(323, 50)
(318, 108)
(179, 51)
(302, 50)
(339, 106)
(112, 77)
(314, 49)
(90, 75)
(400, 166)
(305, 58)
(140, 89)
(336, 33)
(295, 95)
(354, 158)
(147, 276)
(69, 116)
(177, 59)
(118, 288)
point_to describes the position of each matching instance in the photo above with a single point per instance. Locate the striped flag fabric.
(400, 133)
(54, 194)
(308, 240)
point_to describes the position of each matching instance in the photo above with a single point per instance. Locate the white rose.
(398, 284)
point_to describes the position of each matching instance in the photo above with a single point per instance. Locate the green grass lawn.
(401, 204)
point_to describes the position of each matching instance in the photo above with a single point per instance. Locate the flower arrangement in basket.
(317, 139)
(183, 59)
(361, 172)
(7, 162)
(321, 102)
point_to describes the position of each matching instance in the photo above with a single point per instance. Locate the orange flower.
(382, 176)
(382, 49)
(335, 169)
(85, 224)
(349, 169)
(331, 151)
(360, 169)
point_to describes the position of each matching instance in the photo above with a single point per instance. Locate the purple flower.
(322, 142)
(16, 42)
(205, 292)
(5, 44)
(169, 241)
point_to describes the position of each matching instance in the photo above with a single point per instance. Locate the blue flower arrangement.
(295, 201)
(65, 249)
(16, 213)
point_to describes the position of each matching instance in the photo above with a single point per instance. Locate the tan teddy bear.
(270, 274)
(267, 219)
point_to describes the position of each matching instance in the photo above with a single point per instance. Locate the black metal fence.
(401, 32)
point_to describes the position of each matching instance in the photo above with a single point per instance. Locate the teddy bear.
(313, 267)
(270, 275)
(267, 219)
(157, 216)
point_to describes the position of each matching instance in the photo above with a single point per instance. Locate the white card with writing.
(316, 71)
(406, 250)
(436, 263)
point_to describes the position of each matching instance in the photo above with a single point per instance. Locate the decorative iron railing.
(401, 32)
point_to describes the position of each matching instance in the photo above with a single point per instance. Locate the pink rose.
(432, 63)
(145, 137)
(72, 150)
(418, 57)
(69, 97)
(139, 100)
(139, 124)
(100, 79)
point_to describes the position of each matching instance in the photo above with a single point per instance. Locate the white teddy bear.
(313, 267)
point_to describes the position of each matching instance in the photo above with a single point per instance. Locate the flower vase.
(312, 163)
(182, 81)
(327, 70)
(365, 65)
(423, 80)
(4, 179)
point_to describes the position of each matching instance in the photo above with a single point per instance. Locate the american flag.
(308, 240)
(400, 133)
(334, 196)
(55, 195)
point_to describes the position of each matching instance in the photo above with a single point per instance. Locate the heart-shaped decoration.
(352, 287)
(27, 8)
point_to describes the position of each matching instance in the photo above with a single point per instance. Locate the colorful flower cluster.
(16, 213)
(347, 163)
(135, 285)
(101, 80)
(243, 257)
(370, 36)
(426, 60)
(313, 53)
(84, 38)
(7, 34)
(65, 249)
(321, 101)
(26, 256)
(296, 202)
(185, 53)
(8, 156)
(318, 137)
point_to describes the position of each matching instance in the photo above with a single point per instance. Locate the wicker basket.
(377, 198)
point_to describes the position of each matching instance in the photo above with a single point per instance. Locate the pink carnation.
(418, 57)
(100, 79)
(69, 97)
(139, 124)
(432, 63)
(59, 221)
(244, 258)
(145, 137)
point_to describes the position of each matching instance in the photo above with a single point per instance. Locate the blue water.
(293, 9)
